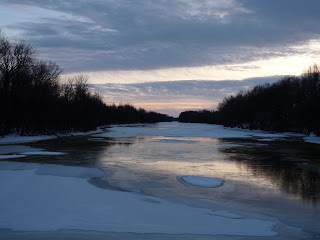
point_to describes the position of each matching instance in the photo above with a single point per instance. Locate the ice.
(69, 171)
(268, 139)
(17, 166)
(229, 145)
(227, 214)
(178, 130)
(33, 202)
(172, 140)
(202, 181)
(312, 139)
(13, 138)
(9, 149)
(11, 156)
(43, 153)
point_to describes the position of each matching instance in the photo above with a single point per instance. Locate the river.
(270, 174)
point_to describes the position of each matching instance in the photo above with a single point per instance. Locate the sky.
(170, 55)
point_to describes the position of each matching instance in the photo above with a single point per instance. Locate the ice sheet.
(176, 130)
(33, 202)
(69, 171)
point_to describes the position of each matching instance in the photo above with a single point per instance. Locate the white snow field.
(202, 181)
(51, 197)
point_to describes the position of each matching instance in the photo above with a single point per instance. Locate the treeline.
(291, 104)
(34, 99)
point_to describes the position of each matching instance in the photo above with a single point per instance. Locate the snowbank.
(202, 181)
(33, 202)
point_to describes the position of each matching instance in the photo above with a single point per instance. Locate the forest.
(35, 99)
(290, 104)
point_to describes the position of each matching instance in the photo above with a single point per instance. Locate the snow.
(49, 202)
(202, 181)
(312, 139)
(43, 153)
(11, 156)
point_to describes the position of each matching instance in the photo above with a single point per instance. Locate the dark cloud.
(147, 34)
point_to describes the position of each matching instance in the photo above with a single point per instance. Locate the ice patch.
(229, 145)
(13, 138)
(226, 214)
(173, 141)
(69, 171)
(312, 139)
(17, 166)
(268, 139)
(11, 156)
(194, 130)
(43, 153)
(8, 149)
(202, 181)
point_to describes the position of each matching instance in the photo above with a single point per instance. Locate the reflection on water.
(292, 167)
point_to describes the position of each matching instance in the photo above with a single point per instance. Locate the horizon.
(123, 44)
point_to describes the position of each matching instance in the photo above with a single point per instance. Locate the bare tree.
(14, 57)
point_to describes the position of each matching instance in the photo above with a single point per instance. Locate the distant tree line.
(291, 104)
(34, 99)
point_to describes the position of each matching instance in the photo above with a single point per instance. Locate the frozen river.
(269, 177)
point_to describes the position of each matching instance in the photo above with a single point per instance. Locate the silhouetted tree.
(291, 104)
(33, 99)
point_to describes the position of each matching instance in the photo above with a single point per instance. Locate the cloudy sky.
(168, 55)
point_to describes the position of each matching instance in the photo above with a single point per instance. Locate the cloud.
(176, 96)
(147, 34)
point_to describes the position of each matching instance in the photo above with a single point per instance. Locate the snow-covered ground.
(38, 197)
